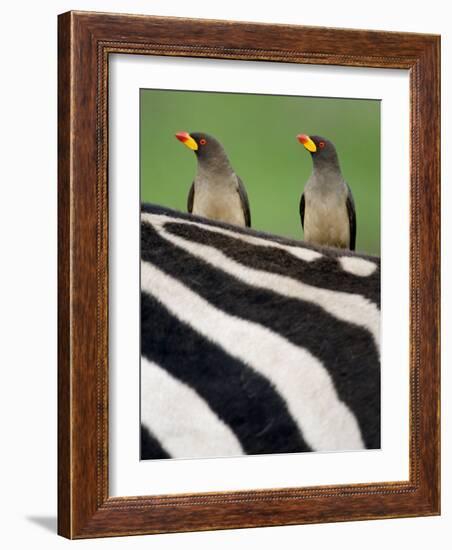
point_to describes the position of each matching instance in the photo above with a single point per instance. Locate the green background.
(258, 133)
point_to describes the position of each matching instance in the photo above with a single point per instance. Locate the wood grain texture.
(64, 296)
(85, 42)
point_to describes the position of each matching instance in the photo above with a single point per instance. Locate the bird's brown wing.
(245, 202)
(191, 198)
(302, 205)
(351, 219)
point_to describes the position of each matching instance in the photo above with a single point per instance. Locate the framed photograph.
(248, 275)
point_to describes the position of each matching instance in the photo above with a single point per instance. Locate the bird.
(327, 208)
(217, 192)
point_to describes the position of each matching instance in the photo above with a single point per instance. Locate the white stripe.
(180, 419)
(299, 252)
(351, 308)
(357, 266)
(325, 421)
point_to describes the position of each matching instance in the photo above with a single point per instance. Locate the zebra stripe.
(240, 397)
(231, 306)
(325, 421)
(354, 368)
(324, 273)
(304, 254)
(358, 266)
(150, 447)
(245, 234)
(182, 421)
(347, 307)
(330, 272)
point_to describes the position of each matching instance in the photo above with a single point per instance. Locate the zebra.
(253, 343)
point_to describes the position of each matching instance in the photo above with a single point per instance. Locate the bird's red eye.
(202, 141)
(321, 144)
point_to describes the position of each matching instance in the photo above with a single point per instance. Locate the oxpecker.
(327, 208)
(217, 192)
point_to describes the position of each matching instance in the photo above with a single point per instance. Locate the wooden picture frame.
(85, 42)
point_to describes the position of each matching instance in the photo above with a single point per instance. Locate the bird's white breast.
(219, 201)
(326, 219)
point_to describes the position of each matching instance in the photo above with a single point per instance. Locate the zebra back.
(253, 343)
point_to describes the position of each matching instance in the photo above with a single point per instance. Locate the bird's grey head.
(209, 151)
(322, 151)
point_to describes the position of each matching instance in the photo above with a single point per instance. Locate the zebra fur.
(253, 343)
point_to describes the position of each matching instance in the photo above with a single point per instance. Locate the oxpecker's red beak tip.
(303, 138)
(182, 136)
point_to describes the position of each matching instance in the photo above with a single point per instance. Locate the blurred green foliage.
(258, 133)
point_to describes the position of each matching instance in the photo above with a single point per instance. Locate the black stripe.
(330, 252)
(242, 398)
(326, 272)
(347, 351)
(149, 446)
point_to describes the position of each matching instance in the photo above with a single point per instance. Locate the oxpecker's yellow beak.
(187, 140)
(307, 142)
